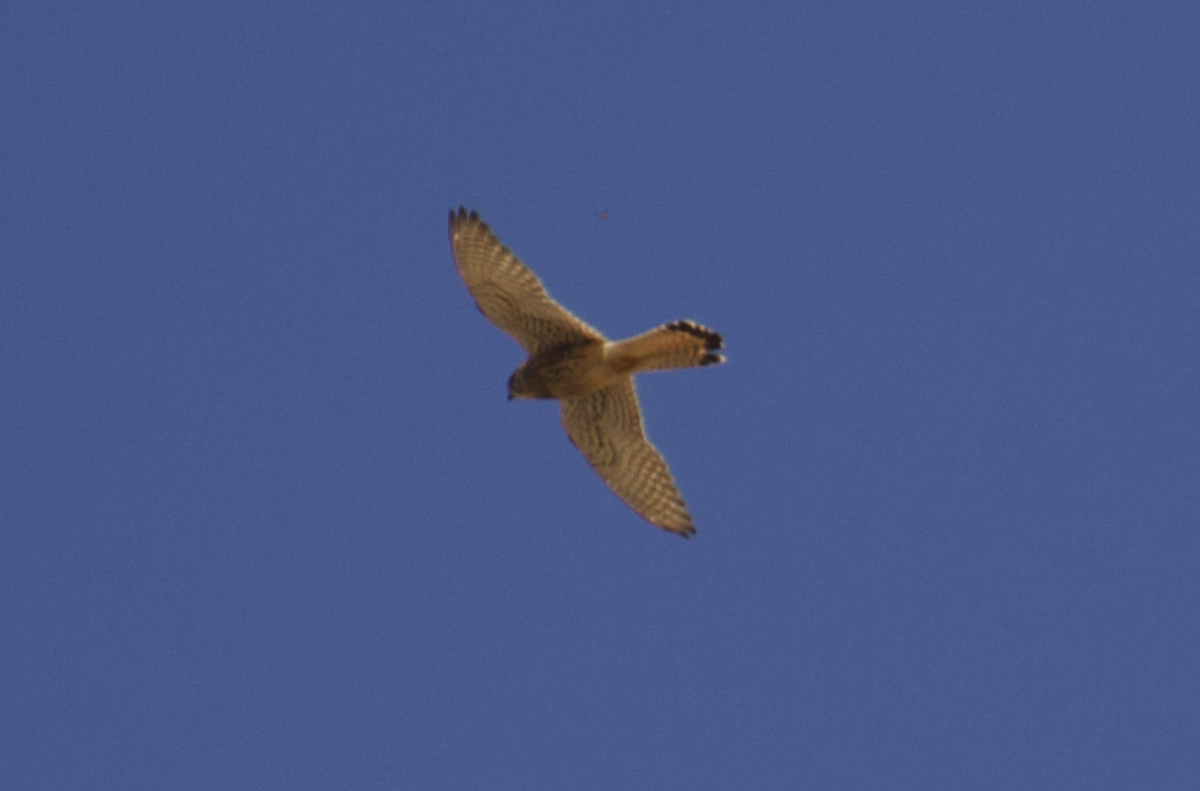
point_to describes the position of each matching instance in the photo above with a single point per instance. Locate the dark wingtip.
(686, 530)
(463, 216)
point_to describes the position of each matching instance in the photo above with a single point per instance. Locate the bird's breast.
(567, 372)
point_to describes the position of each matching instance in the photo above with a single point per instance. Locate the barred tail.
(680, 344)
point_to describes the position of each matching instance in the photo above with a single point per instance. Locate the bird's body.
(590, 376)
(570, 370)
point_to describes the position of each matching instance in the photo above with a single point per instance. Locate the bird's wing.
(508, 292)
(606, 427)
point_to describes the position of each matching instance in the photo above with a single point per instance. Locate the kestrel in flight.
(590, 376)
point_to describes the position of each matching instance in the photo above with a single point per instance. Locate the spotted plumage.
(590, 376)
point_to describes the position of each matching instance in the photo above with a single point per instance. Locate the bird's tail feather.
(680, 344)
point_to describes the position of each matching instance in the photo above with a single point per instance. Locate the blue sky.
(268, 521)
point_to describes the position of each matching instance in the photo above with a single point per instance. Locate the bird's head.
(517, 387)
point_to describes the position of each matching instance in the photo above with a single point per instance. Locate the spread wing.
(507, 292)
(606, 426)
